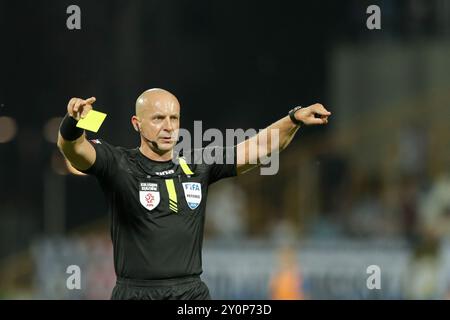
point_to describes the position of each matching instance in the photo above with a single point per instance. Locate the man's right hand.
(80, 153)
(78, 108)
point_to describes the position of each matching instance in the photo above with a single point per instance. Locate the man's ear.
(135, 124)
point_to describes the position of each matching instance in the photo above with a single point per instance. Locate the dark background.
(232, 64)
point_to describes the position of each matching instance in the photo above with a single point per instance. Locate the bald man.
(157, 205)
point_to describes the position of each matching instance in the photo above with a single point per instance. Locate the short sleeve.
(105, 159)
(224, 165)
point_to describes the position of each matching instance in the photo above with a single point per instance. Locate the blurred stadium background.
(372, 188)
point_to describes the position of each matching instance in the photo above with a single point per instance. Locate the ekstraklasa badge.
(193, 194)
(149, 195)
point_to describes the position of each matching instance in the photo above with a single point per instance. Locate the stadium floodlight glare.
(8, 129)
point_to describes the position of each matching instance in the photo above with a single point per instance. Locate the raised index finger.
(320, 109)
(90, 100)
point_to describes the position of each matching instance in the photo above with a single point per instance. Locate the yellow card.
(92, 121)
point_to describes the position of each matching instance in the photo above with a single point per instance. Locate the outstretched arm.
(277, 137)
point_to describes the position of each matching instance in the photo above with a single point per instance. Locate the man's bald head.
(157, 120)
(155, 99)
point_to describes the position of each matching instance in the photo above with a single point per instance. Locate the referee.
(157, 205)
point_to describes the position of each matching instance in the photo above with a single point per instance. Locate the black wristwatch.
(292, 116)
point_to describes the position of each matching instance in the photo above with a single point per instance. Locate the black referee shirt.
(157, 211)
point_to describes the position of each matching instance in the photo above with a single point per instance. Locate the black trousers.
(188, 288)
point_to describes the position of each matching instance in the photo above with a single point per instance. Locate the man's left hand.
(313, 115)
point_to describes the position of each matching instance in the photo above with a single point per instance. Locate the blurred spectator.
(434, 208)
(100, 273)
(93, 254)
(412, 150)
(368, 214)
(334, 175)
(408, 205)
(282, 232)
(287, 281)
(225, 213)
(421, 279)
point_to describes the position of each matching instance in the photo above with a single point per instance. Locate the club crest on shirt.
(193, 194)
(149, 195)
